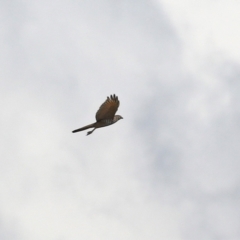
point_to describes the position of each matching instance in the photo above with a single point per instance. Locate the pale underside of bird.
(105, 115)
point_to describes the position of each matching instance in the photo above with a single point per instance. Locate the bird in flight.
(105, 115)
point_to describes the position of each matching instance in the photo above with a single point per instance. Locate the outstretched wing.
(108, 109)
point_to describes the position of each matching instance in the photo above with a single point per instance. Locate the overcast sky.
(170, 170)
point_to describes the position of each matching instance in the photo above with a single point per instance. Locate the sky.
(170, 169)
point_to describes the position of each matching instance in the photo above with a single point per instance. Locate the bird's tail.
(84, 128)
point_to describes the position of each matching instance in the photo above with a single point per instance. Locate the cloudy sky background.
(170, 169)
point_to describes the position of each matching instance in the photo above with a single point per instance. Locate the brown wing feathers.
(108, 109)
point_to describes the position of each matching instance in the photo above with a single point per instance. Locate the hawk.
(105, 115)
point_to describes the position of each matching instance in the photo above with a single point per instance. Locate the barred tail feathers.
(84, 128)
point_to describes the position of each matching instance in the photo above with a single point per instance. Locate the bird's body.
(105, 116)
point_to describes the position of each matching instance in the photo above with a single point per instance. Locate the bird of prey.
(105, 115)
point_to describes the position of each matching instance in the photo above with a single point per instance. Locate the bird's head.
(117, 117)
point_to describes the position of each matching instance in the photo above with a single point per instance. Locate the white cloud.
(208, 29)
(161, 173)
